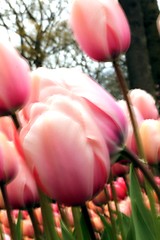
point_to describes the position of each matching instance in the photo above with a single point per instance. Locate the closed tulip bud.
(8, 160)
(104, 109)
(25, 189)
(66, 151)
(14, 79)
(120, 190)
(119, 169)
(130, 139)
(145, 103)
(100, 27)
(149, 132)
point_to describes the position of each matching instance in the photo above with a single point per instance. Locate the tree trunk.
(150, 14)
(139, 68)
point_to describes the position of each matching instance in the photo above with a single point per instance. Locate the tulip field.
(76, 163)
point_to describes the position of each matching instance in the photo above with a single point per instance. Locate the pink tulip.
(149, 132)
(130, 139)
(9, 150)
(145, 103)
(65, 149)
(14, 79)
(13, 166)
(106, 112)
(22, 191)
(8, 160)
(100, 27)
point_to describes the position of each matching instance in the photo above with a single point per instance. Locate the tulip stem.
(33, 217)
(78, 229)
(119, 215)
(88, 222)
(124, 89)
(15, 120)
(112, 218)
(8, 210)
(48, 218)
(1, 233)
(142, 166)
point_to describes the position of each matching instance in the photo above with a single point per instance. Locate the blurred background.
(40, 31)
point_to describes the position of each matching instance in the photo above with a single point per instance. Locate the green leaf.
(66, 233)
(126, 222)
(18, 226)
(84, 228)
(131, 233)
(108, 230)
(142, 218)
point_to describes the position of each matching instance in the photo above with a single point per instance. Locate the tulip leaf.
(142, 218)
(67, 235)
(84, 228)
(18, 226)
(126, 223)
(108, 230)
(131, 233)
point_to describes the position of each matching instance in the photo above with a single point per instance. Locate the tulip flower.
(14, 79)
(145, 103)
(25, 190)
(65, 149)
(120, 190)
(8, 160)
(149, 132)
(130, 138)
(100, 28)
(108, 115)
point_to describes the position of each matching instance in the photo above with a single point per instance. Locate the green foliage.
(143, 222)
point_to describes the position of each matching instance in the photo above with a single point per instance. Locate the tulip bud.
(25, 189)
(145, 103)
(14, 79)
(120, 190)
(24, 186)
(8, 160)
(100, 27)
(149, 132)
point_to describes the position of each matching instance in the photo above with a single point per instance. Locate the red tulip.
(108, 115)
(65, 149)
(120, 190)
(14, 79)
(100, 27)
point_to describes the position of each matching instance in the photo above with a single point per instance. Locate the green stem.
(63, 216)
(78, 229)
(8, 210)
(112, 218)
(88, 222)
(1, 233)
(142, 166)
(33, 217)
(48, 217)
(124, 89)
